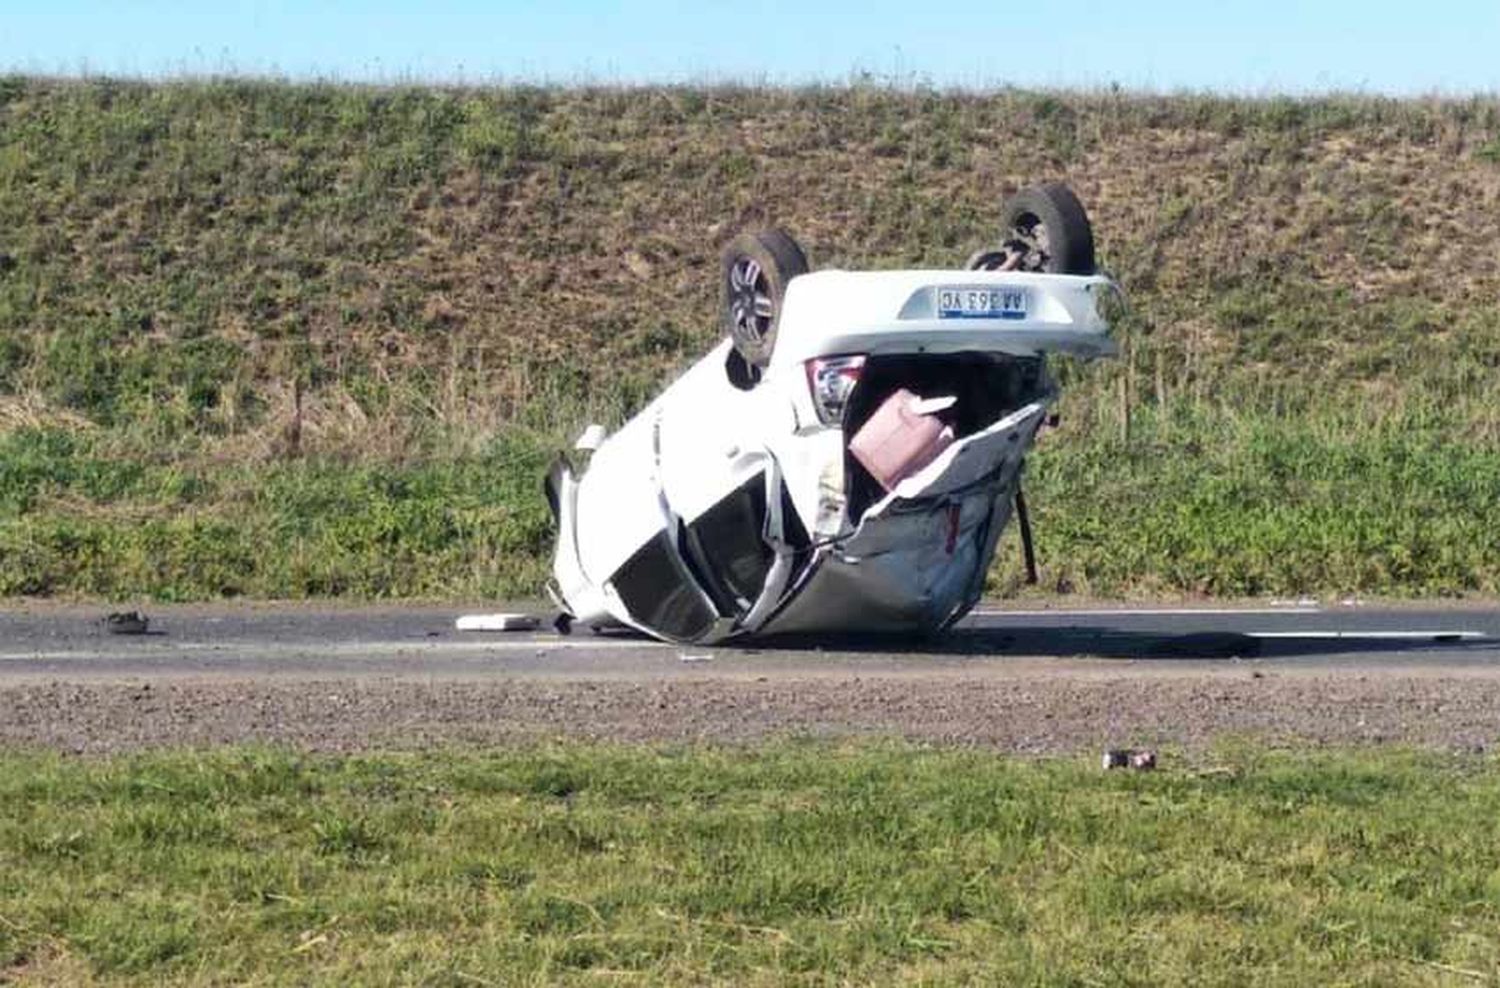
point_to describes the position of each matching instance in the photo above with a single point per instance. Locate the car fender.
(584, 599)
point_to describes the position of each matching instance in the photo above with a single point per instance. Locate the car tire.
(758, 266)
(1045, 229)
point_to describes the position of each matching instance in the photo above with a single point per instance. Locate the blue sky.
(1448, 46)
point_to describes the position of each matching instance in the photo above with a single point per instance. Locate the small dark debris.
(126, 623)
(7, 263)
(1143, 760)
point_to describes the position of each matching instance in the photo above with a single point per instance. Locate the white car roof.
(831, 312)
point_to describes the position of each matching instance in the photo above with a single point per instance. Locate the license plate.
(981, 303)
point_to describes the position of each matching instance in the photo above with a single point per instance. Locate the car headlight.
(831, 381)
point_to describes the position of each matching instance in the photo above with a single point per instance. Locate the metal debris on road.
(498, 622)
(127, 623)
(1143, 760)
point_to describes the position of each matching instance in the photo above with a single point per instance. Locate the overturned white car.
(846, 459)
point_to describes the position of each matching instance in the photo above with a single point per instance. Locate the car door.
(625, 538)
(672, 514)
(723, 485)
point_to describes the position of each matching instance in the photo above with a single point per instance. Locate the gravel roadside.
(1041, 715)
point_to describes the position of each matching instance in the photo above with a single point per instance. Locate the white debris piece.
(590, 439)
(498, 622)
(694, 657)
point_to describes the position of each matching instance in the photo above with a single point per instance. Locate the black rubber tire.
(1069, 237)
(776, 260)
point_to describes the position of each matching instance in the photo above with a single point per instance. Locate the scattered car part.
(1142, 760)
(498, 622)
(127, 623)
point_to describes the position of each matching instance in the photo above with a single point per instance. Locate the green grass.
(248, 314)
(74, 520)
(1244, 506)
(1261, 506)
(797, 864)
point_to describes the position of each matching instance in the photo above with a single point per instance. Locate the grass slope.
(797, 864)
(293, 340)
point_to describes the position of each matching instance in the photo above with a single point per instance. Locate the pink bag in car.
(901, 438)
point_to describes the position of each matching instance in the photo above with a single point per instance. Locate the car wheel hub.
(750, 304)
(1030, 241)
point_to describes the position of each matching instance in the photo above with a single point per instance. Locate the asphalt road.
(266, 642)
(1048, 681)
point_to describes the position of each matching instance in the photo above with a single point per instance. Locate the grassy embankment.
(861, 864)
(284, 340)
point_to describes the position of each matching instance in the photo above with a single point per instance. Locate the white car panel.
(831, 312)
(619, 499)
(713, 437)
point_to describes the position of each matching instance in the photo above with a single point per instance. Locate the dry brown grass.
(589, 240)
